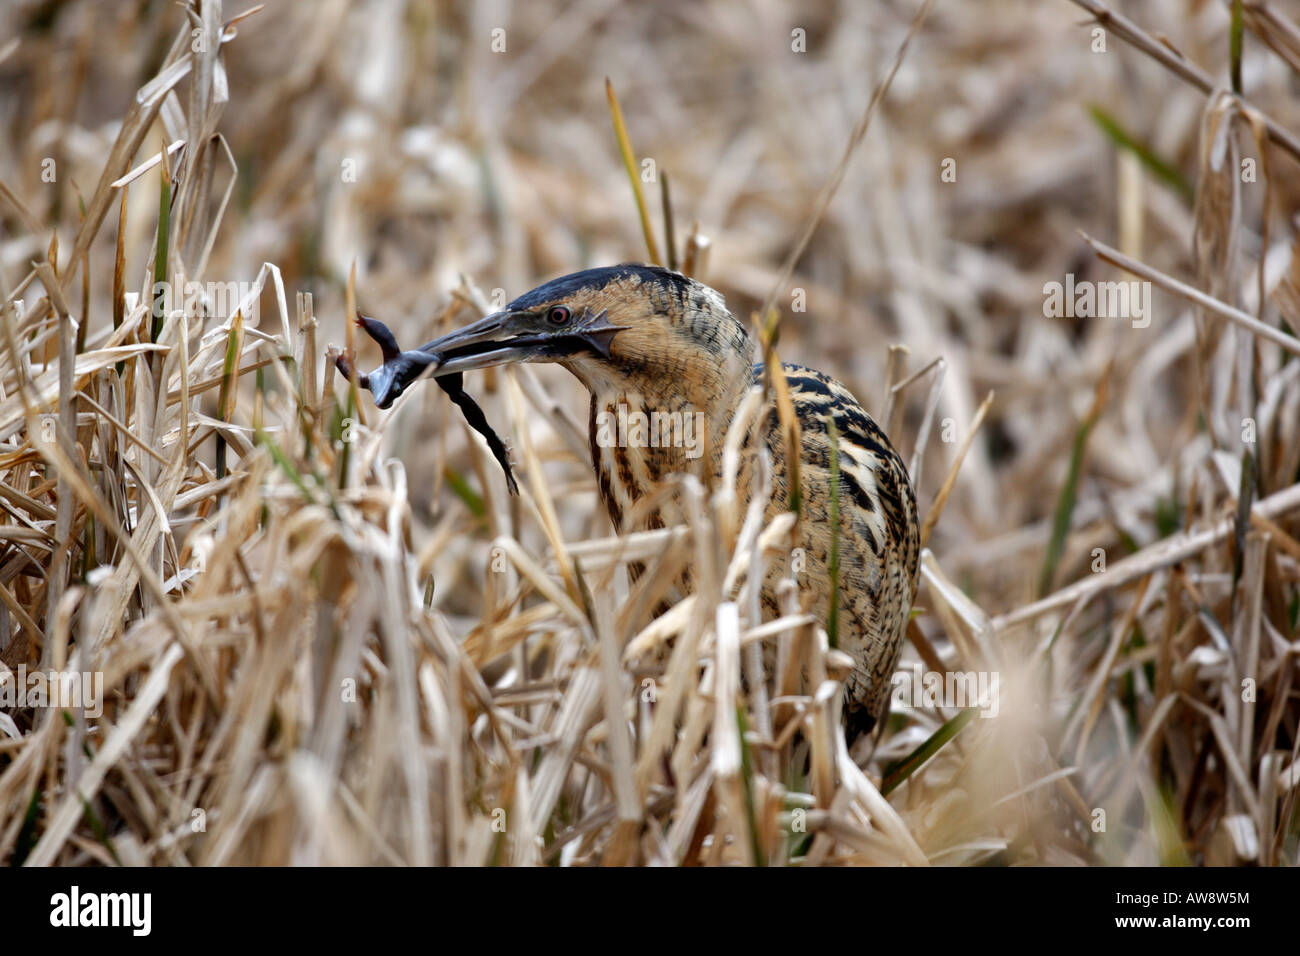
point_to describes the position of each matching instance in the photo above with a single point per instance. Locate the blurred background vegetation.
(450, 150)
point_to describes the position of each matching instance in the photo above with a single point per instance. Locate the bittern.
(655, 341)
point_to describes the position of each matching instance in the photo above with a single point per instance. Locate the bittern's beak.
(501, 338)
(496, 339)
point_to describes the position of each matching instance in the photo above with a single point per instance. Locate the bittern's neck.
(652, 420)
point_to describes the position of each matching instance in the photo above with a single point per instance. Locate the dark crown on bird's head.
(629, 275)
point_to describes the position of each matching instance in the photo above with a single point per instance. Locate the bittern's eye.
(558, 315)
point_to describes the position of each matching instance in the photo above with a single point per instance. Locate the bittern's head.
(621, 327)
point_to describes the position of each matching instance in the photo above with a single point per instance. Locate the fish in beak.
(502, 338)
(401, 368)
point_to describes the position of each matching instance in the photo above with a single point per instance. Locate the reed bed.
(327, 634)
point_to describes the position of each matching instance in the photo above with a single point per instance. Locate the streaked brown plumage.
(646, 339)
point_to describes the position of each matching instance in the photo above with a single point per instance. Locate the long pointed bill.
(486, 343)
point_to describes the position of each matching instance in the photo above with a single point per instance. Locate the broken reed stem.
(1162, 554)
(1192, 294)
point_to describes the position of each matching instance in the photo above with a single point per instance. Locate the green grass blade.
(461, 488)
(897, 773)
(629, 163)
(226, 398)
(1064, 512)
(1069, 492)
(285, 464)
(345, 455)
(160, 253)
(1122, 138)
(1234, 45)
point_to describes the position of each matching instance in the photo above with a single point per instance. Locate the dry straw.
(328, 635)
